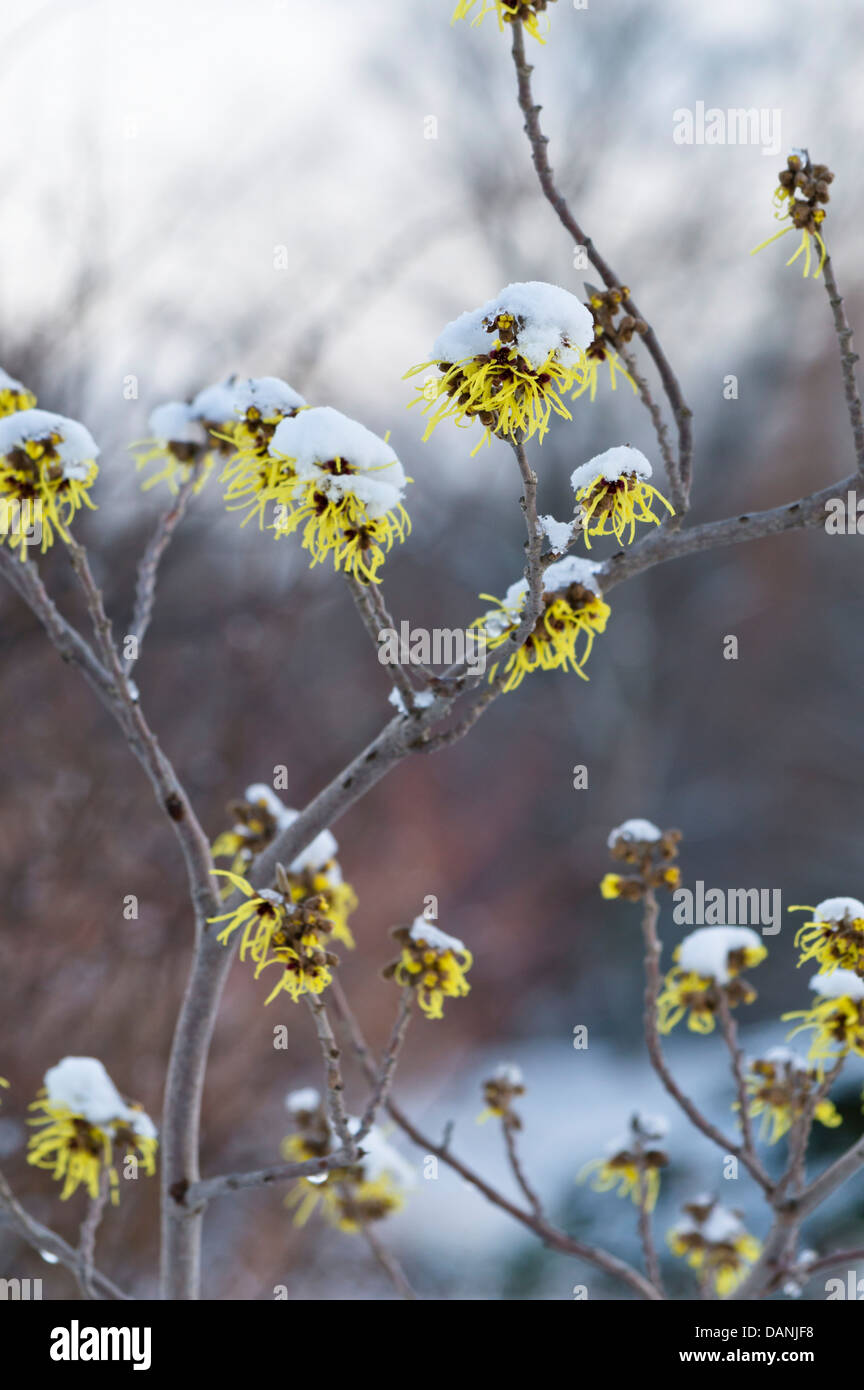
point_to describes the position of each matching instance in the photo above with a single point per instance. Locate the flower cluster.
(632, 1163)
(833, 938)
(432, 963)
(499, 1093)
(277, 929)
(13, 395)
(342, 487)
(258, 817)
(708, 969)
(572, 613)
(715, 1242)
(47, 468)
(780, 1085)
(523, 12)
(188, 436)
(799, 199)
(613, 492)
(610, 332)
(350, 1198)
(85, 1128)
(652, 852)
(508, 363)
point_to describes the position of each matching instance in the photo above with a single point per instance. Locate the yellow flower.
(709, 963)
(838, 1020)
(255, 478)
(258, 817)
(499, 1093)
(834, 937)
(343, 486)
(508, 363)
(86, 1129)
(573, 612)
(632, 1163)
(432, 963)
(14, 396)
(277, 930)
(352, 1197)
(803, 187)
(613, 493)
(47, 467)
(714, 1242)
(609, 331)
(780, 1084)
(508, 12)
(611, 885)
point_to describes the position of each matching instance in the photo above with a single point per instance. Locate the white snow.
(650, 1126)
(837, 910)
(380, 1158)
(782, 1056)
(550, 319)
(706, 951)
(76, 450)
(317, 436)
(573, 570)
(260, 794)
(304, 1101)
(8, 383)
(422, 699)
(84, 1086)
(175, 423)
(217, 403)
(619, 462)
(267, 394)
(437, 940)
(558, 533)
(636, 830)
(840, 984)
(509, 1073)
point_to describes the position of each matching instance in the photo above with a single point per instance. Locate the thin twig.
(332, 1056)
(47, 1242)
(730, 1036)
(388, 1263)
(508, 1130)
(148, 570)
(87, 1238)
(655, 1051)
(848, 359)
(387, 1070)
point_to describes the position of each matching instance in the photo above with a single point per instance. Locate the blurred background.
(200, 188)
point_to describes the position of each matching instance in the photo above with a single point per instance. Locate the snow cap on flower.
(269, 395)
(83, 1085)
(259, 794)
(75, 449)
(9, 383)
(837, 910)
(176, 423)
(619, 462)
(558, 533)
(649, 1126)
(509, 1073)
(303, 1102)
(572, 570)
(706, 951)
(636, 831)
(437, 940)
(315, 438)
(842, 984)
(217, 403)
(782, 1056)
(547, 319)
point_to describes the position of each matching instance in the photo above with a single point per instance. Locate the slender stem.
(730, 1036)
(220, 1186)
(509, 1132)
(148, 570)
(46, 1241)
(387, 1070)
(655, 1051)
(332, 1056)
(679, 476)
(848, 359)
(389, 1264)
(87, 1239)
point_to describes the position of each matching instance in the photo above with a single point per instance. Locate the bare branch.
(148, 570)
(46, 1241)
